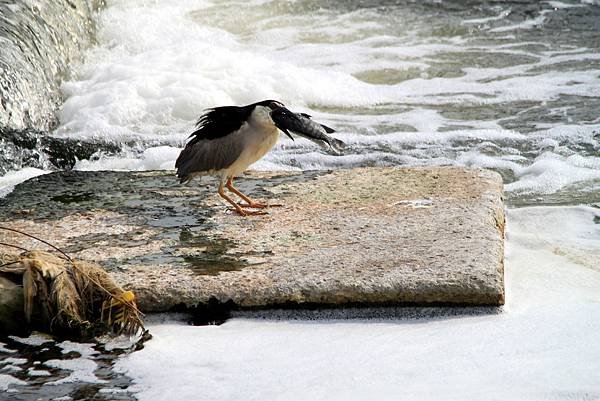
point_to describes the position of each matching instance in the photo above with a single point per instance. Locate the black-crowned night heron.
(230, 138)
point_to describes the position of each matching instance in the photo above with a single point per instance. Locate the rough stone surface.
(361, 237)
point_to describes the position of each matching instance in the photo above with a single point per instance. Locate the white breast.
(259, 135)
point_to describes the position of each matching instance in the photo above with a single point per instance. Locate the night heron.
(230, 138)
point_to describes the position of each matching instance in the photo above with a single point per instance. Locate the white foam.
(550, 172)
(560, 4)
(526, 24)
(546, 86)
(11, 368)
(82, 370)
(35, 338)
(571, 133)
(154, 158)
(474, 158)
(503, 14)
(543, 346)
(7, 380)
(5, 350)
(13, 361)
(113, 391)
(83, 349)
(12, 178)
(37, 373)
(110, 342)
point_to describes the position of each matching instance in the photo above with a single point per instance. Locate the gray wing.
(206, 156)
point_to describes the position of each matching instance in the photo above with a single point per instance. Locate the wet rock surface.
(32, 148)
(365, 236)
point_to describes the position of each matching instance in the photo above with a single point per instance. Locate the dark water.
(61, 370)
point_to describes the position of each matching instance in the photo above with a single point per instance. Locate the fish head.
(285, 120)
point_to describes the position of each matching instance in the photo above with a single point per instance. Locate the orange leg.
(236, 207)
(249, 202)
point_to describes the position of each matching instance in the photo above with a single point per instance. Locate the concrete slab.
(368, 236)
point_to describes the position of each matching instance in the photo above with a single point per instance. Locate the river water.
(509, 85)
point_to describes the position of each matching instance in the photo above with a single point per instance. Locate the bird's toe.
(245, 212)
(258, 205)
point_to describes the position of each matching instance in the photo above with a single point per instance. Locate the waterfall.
(39, 41)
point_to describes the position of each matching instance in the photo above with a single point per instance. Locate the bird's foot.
(245, 212)
(258, 205)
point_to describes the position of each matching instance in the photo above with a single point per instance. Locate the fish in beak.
(301, 124)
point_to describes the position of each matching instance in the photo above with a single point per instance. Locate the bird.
(228, 139)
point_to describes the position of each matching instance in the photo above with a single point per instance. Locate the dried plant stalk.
(69, 295)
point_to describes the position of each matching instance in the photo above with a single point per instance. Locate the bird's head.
(267, 105)
(263, 114)
(273, 114)
(274, 104)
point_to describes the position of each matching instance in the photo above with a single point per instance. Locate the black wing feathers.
(219, 122)
(205, 152)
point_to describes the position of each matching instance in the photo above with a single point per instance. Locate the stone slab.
(367, 236)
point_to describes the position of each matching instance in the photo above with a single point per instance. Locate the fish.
(302, 125)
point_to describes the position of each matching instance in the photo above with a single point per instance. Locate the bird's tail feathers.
(183, 166)
(186, 179)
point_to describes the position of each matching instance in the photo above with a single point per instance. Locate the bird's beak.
(283, 119)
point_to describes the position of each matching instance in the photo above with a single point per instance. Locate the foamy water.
(505, 86)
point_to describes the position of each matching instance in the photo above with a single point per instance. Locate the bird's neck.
(261, 118)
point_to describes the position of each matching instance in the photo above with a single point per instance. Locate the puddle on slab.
(211, 253)
(75, 197)
(173, 221)
(83, 242)
(187, 247)
(213, 266)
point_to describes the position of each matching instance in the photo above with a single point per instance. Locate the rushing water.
(39, 40)
(509, 85)
(512, 86)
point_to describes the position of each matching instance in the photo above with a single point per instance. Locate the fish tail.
(336, 144)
